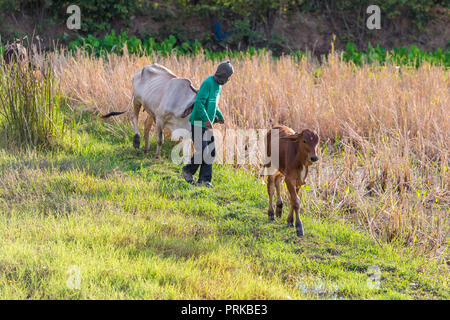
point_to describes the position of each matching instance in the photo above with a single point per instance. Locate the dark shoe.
(205, 184)
(188, 177)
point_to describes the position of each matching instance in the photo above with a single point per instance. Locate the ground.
(96, 219)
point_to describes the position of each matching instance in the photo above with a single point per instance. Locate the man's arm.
(219, 114)
(219, 117)
(200, 103)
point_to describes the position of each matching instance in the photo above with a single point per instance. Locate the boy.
(204, 114)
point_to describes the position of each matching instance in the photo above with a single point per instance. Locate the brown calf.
(297, 151)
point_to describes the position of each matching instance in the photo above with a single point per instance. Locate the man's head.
(223, 73)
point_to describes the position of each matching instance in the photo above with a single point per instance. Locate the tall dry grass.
(30, 106)
(384, 130)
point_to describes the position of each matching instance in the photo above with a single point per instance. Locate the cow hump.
(157, 70)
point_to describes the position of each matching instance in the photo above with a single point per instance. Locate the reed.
(30, 106)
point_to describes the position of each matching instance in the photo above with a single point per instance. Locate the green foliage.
(412, 56)
(250, 22)
(116, 43)
(417, 11)
(242, 34)
(97, 15)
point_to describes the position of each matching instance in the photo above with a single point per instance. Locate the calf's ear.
(292, 137)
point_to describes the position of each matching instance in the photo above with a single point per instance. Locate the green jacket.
(205, 107)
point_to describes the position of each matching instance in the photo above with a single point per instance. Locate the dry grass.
(384, 130)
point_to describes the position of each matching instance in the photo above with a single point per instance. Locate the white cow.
(167, 99)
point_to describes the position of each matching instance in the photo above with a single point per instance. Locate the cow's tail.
(116, 113)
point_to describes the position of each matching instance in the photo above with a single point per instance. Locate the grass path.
(133, 229)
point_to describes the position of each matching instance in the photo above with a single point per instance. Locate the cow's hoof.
(299, 230)
(136, 141)
(146, 151)
(290, 224)
(157, 156)
(270, 214)
(279, 210)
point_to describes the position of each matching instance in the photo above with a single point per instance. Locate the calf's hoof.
(299, 230)
(136, 141)
(270, 214)
(279, 210)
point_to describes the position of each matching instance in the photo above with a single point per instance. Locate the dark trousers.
(204, 154)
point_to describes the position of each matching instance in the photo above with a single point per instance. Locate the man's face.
(226, 80)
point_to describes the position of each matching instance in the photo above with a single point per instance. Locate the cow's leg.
(295, 207)
(136, 138)
(148, 126)
(279, 209)
(159, 137)
(270, 191)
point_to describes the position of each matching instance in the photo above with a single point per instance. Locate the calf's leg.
(270, 191)
(295, 207)
(279, 209)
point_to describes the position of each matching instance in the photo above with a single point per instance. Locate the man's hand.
(208, 125)
(221, 121)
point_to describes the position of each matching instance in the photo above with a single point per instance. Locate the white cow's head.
(178, 103)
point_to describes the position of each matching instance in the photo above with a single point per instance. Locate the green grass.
(136, 230)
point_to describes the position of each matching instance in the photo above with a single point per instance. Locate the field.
(375, 212)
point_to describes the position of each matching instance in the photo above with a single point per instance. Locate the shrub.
(98, 15)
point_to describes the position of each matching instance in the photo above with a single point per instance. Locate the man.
(204, 114)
